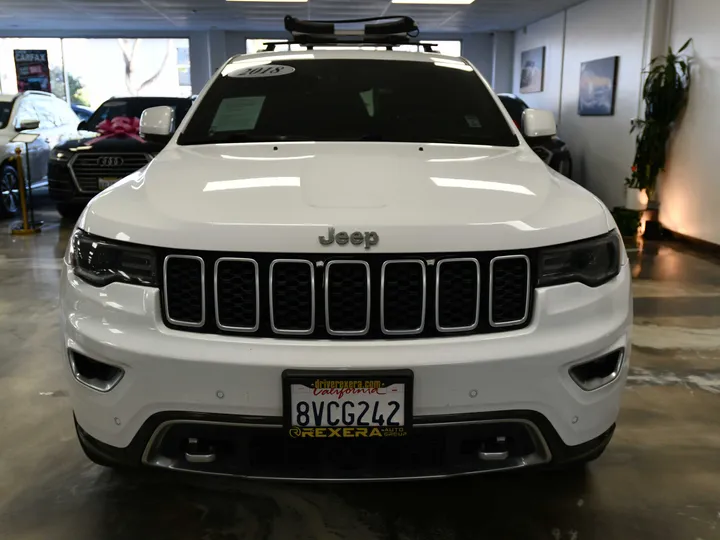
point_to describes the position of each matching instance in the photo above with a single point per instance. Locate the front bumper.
(494, 377)
(62, 187)
(439, 447)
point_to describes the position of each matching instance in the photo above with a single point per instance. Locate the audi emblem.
(110, 161)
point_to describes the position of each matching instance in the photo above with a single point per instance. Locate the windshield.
(349, 100)
(5, 110)
(133, 108)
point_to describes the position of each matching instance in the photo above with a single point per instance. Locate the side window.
(25, 111)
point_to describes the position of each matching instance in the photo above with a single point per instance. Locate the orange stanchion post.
(27, 227)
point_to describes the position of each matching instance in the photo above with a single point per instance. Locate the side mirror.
(28, 124)
(158, 122)
(82, 126)
(538, 123)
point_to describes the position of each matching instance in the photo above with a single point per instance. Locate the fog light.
(93, 374)
(599, 372)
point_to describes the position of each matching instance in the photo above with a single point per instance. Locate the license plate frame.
(308, 378)
(105, 182)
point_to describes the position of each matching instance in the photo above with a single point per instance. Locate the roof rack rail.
(310, 45)
(387, 31)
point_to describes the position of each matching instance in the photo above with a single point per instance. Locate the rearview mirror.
(82, 126)
(157, 122)
(28, 124)
(538, 123)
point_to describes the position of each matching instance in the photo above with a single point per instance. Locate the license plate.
(348, 405)
(104, 183)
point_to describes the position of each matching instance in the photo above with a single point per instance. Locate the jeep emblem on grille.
(110, 161)
(369, 238)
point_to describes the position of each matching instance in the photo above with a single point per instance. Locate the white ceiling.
(178, 15)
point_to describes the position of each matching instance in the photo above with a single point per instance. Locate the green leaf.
(687, 43)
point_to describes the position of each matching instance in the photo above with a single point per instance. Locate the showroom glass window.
(350, 100)
(89, 71)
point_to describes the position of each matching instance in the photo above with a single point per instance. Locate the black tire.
(69, 211)
(9, 193)
(564, 167)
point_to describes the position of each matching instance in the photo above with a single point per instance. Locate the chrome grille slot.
(347, 298)
(457, 295)
(292, 296)
(184, 287)
(366, 296)
(87, 169)
(403, 292)
(509, 290)
(237, 294)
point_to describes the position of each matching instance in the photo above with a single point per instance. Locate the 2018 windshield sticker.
(261, 71)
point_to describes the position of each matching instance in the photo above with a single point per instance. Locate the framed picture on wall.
(598, 81)
(532, 70)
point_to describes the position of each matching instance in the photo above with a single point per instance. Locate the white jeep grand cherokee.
(346, 264)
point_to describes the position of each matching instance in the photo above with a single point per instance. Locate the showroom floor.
(660, 477)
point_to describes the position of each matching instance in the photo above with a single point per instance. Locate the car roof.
(144, 98)
(340, 53)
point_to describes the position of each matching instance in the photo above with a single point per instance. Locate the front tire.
(70, 212)
(9, 192)
(565, 167)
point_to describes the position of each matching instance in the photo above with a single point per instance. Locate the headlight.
(592, 262)
(59, 155)
(100, 262)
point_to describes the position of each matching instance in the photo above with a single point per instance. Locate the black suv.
(552, 150)
(109, 149)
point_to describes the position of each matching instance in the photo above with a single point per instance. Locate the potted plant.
(665, 94)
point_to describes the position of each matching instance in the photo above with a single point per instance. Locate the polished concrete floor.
(660, 478)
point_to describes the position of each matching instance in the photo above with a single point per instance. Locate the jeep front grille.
(369, 296)
(87, 169)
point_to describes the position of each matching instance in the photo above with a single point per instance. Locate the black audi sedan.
(553, 150)
(109, 148)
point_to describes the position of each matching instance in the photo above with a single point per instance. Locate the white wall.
(690, 190)
(503, 52)
(547, 33)
(478, 49)
(602, 148)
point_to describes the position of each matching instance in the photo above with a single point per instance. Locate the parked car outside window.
(83, 113)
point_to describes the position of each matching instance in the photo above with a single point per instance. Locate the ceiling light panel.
(435, 2)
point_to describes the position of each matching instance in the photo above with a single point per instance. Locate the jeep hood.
(282, 197)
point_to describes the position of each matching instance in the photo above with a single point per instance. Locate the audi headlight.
(592, 262)
(59, 155)
(100, 262)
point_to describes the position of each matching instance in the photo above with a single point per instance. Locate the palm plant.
(665, 94)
